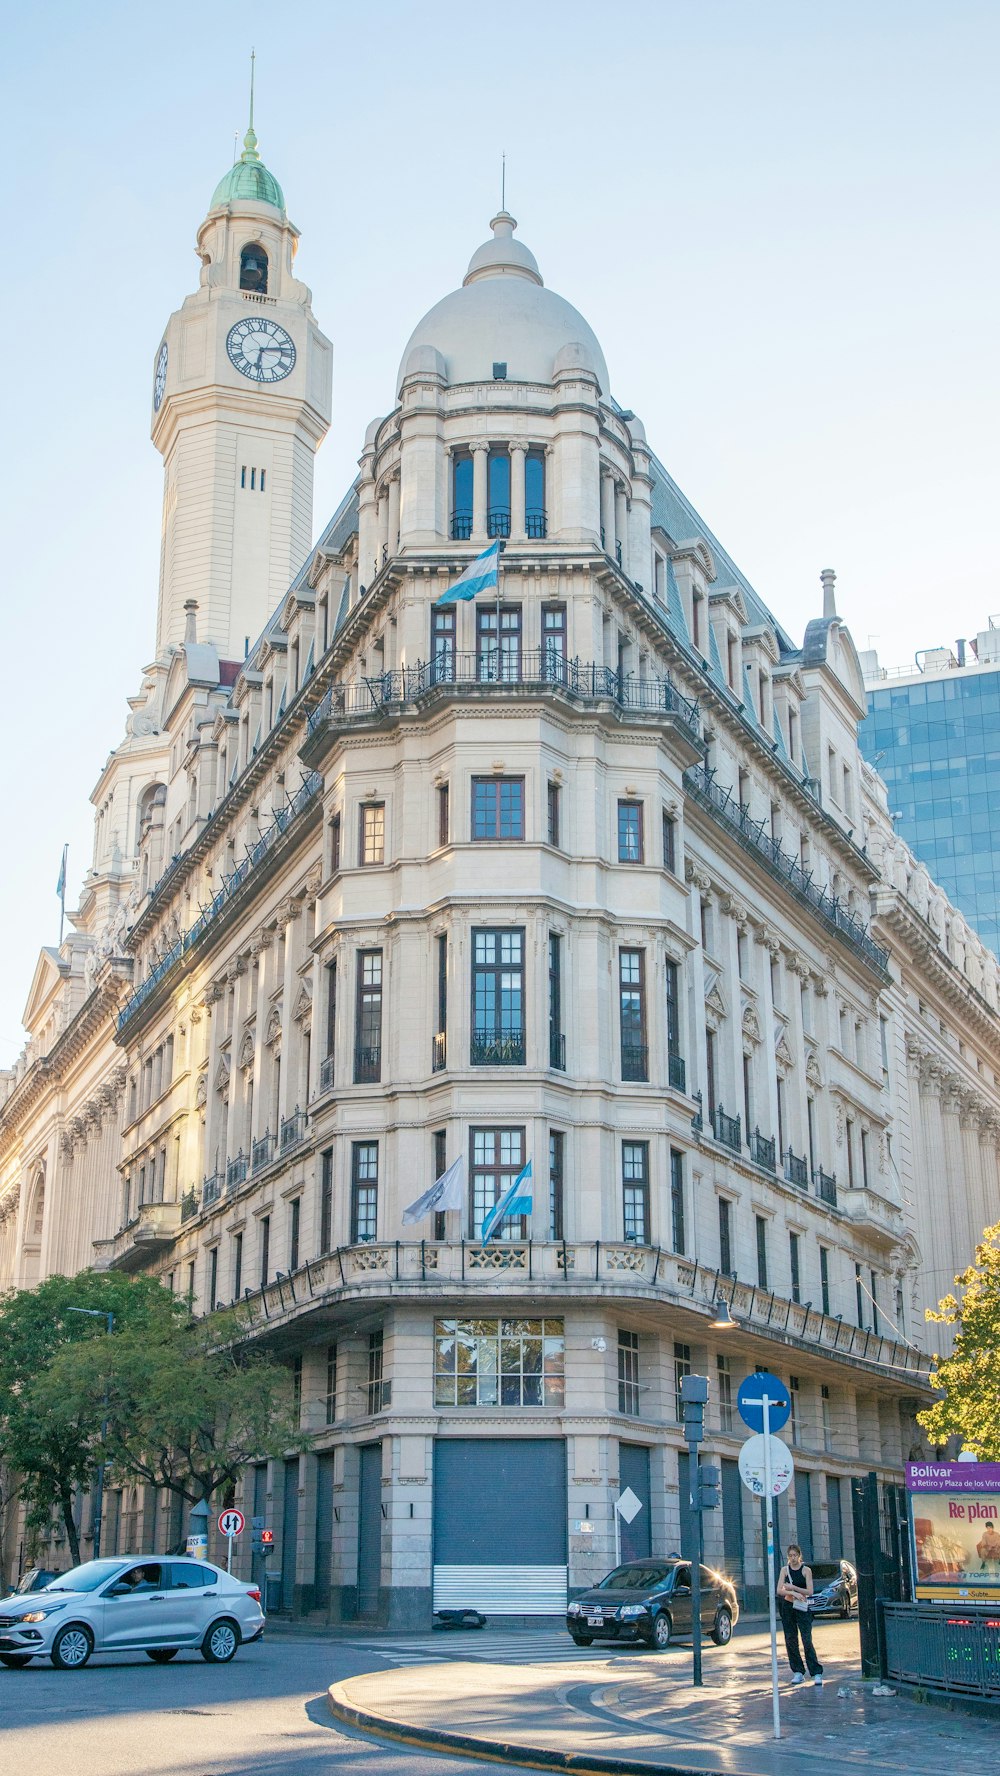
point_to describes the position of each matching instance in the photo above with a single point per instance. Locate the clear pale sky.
(779, 217)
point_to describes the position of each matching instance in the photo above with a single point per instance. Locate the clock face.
(260, 350)
(160, 377)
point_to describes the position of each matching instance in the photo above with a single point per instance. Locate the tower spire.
(250, 139)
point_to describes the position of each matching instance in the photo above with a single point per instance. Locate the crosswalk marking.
(541, 1646)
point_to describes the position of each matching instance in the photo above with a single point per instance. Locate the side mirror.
(117, 1590)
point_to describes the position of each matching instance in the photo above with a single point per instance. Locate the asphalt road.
(266, 1714)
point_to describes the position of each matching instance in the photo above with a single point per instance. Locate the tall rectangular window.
(675, 1065)
(824, 1278)
(294, 1228)
(368, 1019)
(859, 1294)
(326, 1200)
(443, 643)
(504, 666)
(811, 1133)
(630, 832)
(372, 846)
(497, 1155)
(439, 1054)
(498, 492)
(297, 1389)
(534, 494)
(724, 1381)
(440, 1167)
(760, 1224)
(335, 830)
(779, 1092)
(793, 1261)
(557, 1040)
(461, 496)
(237, 1266)
(443, 815)
(331, 1384)
(748, 1093)
(677, 1229)
(364, 1191)
(378, 1387)
(864, 1157)
(711, 1074)
(213, 1278)
(635, 1191)
(557, 1155)
(669, 843)
(498, 998)
(632, 1014)
(554, 641)
(329, 1025)
(498, 807)
(682, 1367)
(873, 1280)
(795, 1415)
(552, 813)
(628, 1373)
(849, 1144)
(824, 1406)
(725, 1236)
(264, 1247)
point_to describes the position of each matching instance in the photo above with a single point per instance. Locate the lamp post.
(98, 1313)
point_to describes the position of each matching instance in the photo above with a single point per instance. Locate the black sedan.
(835, 1588)
(650, 1601)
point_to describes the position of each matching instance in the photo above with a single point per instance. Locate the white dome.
(504, 314)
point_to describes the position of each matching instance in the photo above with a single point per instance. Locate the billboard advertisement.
(955, 1530)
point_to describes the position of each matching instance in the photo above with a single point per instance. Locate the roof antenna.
(503, 182)
(253, 58)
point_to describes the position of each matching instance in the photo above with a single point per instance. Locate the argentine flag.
(479, 576)
(516, 1200)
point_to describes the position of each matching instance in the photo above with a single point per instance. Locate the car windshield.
(825, 1570)
(86, 1577)
(634, 1578)
(32, 1581)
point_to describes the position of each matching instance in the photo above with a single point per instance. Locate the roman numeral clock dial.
(260, 350)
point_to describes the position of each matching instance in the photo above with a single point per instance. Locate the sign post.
(764, 1405)
(232, 1523)
(694, 1398)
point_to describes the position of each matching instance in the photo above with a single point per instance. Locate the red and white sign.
(232, 1523)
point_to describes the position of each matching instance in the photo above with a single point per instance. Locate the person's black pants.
(796, 1624)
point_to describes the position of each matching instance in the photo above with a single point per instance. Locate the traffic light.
(694, 1394)
(709, 1488)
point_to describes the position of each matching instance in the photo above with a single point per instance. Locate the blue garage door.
(500, 1529)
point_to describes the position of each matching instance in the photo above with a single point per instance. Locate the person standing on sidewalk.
(795, 1587)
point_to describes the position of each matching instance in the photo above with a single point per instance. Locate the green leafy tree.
(969, 1380)
(50, 1453)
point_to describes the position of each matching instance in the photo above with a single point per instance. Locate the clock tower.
(241, 401)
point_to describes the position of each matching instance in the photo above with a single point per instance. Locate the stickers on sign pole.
(750, 1401)
(752, 1466)
(231, 1523)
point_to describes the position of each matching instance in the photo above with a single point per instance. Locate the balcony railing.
(231, 885)
(698, 1119)
(262, 1151)
(762, 1150)
(212, 1188)
(326, 1073)
(676, 1073)
(497, 1048)
(826, 1186)
(796, 1169)
(236, 1171)
(439, 1051)
(726, 1130)
(534, 526)
(755, 836)
(368, 1064)
(293, 1129)
(635, 1061)
(557, 1051)
(530, 667)
(461, 527)
(189, 1205)
(498, 522)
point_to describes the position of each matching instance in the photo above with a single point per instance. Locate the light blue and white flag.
(480, 576)
(447, 1193)
(516, 1200)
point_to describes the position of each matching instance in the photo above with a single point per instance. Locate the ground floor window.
(499, 1363)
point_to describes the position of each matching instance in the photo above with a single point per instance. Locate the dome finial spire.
(250, 139)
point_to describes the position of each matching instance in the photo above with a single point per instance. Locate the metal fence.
(953, 1647)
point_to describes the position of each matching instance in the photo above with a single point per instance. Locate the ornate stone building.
(585, 873)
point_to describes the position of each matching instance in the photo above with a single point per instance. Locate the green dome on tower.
(249, 178)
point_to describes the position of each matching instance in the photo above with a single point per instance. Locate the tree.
(52, 1452)
(969, 1379)
(187, 1404)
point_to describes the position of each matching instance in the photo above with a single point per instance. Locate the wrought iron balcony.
(236, 1171)
(498, 522)
(754, 836)
(826, 1186)
(368, 1064)
(461, 527)
(293, 1129)
(762, 1150)
(698, 1119)
(534, 526)
(189, 1205)
(676, 1073)
(439, 1051)
(557, 1051)
(726, 1130)
(262, 1151)
(212, 1189)
(326, 1073)
(796, 1169)
(635, 1061)
(497, 1048)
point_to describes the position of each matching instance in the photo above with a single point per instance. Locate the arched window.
(498, 493)
(253, 269)
(461, 497)
(534, 494)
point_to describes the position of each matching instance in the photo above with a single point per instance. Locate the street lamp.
(723, 1321)
(98, 1313)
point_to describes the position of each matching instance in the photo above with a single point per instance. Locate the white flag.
(447, 1193)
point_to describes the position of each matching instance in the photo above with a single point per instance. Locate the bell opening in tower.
(253, 269)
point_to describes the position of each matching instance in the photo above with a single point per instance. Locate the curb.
(496, 1751)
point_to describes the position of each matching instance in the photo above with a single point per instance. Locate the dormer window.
(253, 269)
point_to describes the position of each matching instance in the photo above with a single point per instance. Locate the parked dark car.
(650, 1601)
(35, 1579)
(835, 1588)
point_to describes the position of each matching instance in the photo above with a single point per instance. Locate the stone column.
(621, 525)
(518, 453)
(480, 454)
(393, 525)
(608, 510)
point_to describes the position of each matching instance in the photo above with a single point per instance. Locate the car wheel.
(582, 1639)
(161, 1655)
(16, 1661)
(72, 1647)
(663, 1629)
(722, 1631)
(221, 1642)
(845, 1609)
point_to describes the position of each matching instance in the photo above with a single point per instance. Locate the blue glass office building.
(936, 741)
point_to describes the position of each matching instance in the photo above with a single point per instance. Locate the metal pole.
(618, 1536)
(229, 1553)
(696, 1565)
(772, 1614)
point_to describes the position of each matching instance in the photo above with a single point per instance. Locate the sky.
(778, 217)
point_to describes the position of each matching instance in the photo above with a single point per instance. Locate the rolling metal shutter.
(500, 1525)
(501, 1590)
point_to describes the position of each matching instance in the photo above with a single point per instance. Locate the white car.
(153, 1605)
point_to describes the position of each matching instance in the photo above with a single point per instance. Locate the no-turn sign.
(232, 1523)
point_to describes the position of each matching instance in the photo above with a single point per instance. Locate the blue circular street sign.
(750, 1401)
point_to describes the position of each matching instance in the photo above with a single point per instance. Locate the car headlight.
(573, 1609)
(629, 1610)
(39, 1615)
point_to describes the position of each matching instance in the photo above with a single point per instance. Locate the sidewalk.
(633, 1713)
